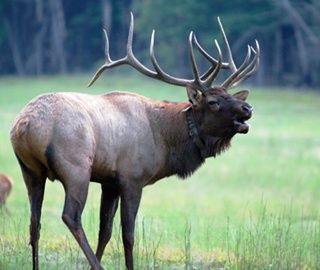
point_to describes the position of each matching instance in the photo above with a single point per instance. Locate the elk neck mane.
(209, 146)
(188, 152)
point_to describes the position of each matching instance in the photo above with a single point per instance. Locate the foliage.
(178, 18)
(59, 36)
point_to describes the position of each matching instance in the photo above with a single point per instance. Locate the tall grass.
(214, 220)
(275, 241)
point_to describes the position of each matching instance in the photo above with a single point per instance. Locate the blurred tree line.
(62, 36)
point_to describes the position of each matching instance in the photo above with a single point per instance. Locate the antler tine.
(109, 63)
(233, 77)
(250, 69)
(152, 55)
(106, 49)
(213, 75)
(246, 70)
(108, 60)
(209, 57)
(197, 81)
(231, 63)
(128, 59)
(130, 35)
(193, 61)
(205, 81)
(160, 74)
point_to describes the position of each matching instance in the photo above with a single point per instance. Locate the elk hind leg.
(76, 195)
(35, 183)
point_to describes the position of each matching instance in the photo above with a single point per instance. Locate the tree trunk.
(58, 36)
(106, 14)
(39, 49)
(301, 55)
(16, 55)
(278, 57)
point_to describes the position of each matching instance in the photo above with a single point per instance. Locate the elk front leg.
(130, 201)
(108, 208)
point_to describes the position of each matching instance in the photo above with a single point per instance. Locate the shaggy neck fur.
(185, 156)
(216, 145)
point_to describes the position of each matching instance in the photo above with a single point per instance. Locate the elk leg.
(76, 195)
(35, 185)
(108, 208)
(130, 201)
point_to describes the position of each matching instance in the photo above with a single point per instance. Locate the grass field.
(254, 207)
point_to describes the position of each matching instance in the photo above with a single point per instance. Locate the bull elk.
(125, 141)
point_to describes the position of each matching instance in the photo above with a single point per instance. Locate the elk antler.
(203, 82)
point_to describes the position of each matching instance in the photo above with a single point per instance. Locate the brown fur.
(121, 140)
(5, 188)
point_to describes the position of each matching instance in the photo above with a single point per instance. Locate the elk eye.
(213, 104)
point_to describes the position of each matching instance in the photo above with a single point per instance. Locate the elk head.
(225, 113)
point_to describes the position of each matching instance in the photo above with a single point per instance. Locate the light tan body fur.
(103, 135)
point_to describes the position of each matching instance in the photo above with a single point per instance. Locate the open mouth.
(241, 126)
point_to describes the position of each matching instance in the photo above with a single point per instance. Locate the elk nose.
(246, 108)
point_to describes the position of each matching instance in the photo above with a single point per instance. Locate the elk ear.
(194, 96)
(242, 95)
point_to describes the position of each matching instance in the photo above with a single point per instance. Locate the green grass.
(254, 207)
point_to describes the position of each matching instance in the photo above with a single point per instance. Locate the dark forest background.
(40, 37)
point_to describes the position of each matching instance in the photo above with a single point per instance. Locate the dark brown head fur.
(219, 116)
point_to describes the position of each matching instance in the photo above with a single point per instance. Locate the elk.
(5, 188)
(125, 141)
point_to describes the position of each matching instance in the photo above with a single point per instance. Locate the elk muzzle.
(244, 114)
